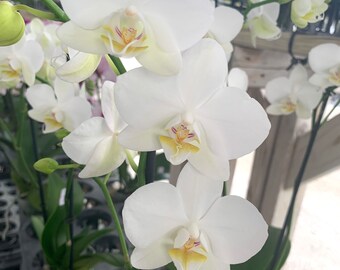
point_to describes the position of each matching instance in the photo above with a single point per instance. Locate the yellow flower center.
(334, 76)
(51, 122)
(181, 142)
(192, 253)
(8, 73)
(125, 33)
(288, 107)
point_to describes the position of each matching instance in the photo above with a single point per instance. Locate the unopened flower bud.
(46, 165)
(12, 24)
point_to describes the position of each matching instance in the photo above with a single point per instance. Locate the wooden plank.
(325, 155)
(302, 44)
(260, 59)
(262, 65)
(271, 163)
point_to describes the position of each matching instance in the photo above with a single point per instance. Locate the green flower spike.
(12, 24)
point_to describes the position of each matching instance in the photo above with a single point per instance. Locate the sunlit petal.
(236, 235)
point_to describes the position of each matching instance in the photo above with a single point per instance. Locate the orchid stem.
(36, 12)
(102, 184)
(70, 190)
(40, 181)
(332, 110)
(131, 161)
(298, 180)
(68, 166)
(59, 13)
(150, 167)
(141, 169)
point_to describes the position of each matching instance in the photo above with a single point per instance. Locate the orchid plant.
(182, 100)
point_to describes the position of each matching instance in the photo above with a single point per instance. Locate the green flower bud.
(46, 165)
(12, 24)
(61, 133)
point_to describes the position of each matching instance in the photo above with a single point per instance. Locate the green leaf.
(78, 197)
(88, 261)
(54, 236)
(38, 225)
(54, 186)
(170, 266)
(262, 260)
(81, 243)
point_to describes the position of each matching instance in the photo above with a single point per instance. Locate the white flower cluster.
(182, 100)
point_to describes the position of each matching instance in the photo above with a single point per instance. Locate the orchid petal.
(27, 72)
(79, 68)
(298, 75)
(323, 57)
(159, 101)
(227, 24)
(40, 114)
(81, 142)
(162, 55)
(74, 112)
(302, 111)
(110, 112)
(277, 109)
(149, 214)
(234, 123)
(183, 16)
(214, 263)
(237, 234)
(320, 79)
(301, 7)
(206, 57)
(140, 139)
(263, 27)
(278, 89)
(33, 54)
(212, 166)
(88, 41)
(309, 95)
(203, 192)
(64, 90)
(272, 10)
(107, 156)
(90, 14)
(154, 256)
(41, 95)
(238, 78)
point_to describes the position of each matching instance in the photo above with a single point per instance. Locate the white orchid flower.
(227, 24)
(46, 36)
(307, 11)
(324, 60)
(20, 63)
(193, 116)
(293, 94)
(261, 22)
(191, 225)
(153, 31)
(95, 142)
(60, 107)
